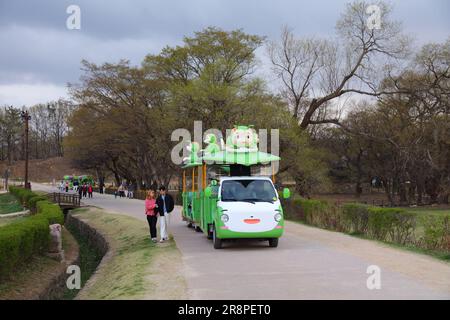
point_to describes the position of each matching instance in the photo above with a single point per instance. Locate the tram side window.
(188, 182)
(195, 178)
(199, 171)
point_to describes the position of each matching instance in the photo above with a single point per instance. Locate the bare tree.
(315, 73)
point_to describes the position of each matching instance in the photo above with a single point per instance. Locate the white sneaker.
(162, 240)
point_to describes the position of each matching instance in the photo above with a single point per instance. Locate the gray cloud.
(38, 49)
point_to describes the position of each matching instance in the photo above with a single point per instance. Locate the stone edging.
(15, 214)
(94, 239)
(55, 290)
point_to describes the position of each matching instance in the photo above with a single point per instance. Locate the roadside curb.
(15, 214)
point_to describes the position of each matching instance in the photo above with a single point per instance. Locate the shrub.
(19, 241)
(51, 211)
(436, 232)
(315, 212)
(291, 209)
(385, 224)
(392, 224)
(403, 227)
(24, 195)
(355, 218)
(33, 201)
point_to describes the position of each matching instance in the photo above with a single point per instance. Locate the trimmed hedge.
(314, 212)
(426, 231)
(19, 241)
(355, 218)
(436, 232)
(32, 202)
(24, 195)
(391, 224)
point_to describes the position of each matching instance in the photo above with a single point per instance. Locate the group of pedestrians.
(64, 186)
(125, 191)
(85, 190)
(159, 206)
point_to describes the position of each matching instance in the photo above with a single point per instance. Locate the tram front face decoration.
(249, 206)
(223, 199)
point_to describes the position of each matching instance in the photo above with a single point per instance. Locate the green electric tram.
(74, 180)
(225, 196)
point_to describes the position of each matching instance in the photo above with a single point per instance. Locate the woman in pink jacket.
(150, 211)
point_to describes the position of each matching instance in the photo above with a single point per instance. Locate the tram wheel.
(216, 241)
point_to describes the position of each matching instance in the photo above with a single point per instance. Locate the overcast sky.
(39, 55)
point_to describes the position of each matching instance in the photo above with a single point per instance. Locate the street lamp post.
(26, 118)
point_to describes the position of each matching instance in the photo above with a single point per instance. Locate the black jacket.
(169, 204)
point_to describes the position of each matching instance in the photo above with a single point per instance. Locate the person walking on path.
(165, 205)
(130, 191)
(84, 190)
(151, 213)
(90, 190)
(80, 192)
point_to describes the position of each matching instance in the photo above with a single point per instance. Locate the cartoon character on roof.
(212, 146)
(242, 139)
(193, 149)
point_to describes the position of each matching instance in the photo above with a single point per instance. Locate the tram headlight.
(277, 217)
(224, 217)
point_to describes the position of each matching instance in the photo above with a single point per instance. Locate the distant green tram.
(225, 197)
(78, 180)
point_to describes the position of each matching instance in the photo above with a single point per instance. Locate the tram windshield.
(248, 191)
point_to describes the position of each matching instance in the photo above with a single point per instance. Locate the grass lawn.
(9, 204)
(429, 210)
(133, 269)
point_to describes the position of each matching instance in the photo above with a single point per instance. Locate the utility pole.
(26, 118)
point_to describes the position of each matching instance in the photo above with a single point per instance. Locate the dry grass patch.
(134, 267)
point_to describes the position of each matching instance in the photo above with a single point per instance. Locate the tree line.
(47, 129)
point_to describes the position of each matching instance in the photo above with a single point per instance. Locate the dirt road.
(309, 263)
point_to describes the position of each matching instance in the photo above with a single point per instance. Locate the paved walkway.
(309, 263)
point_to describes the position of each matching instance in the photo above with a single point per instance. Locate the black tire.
(273, 243)
(198, 229)
(189, 225)
(210, 233)
(216, 241)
